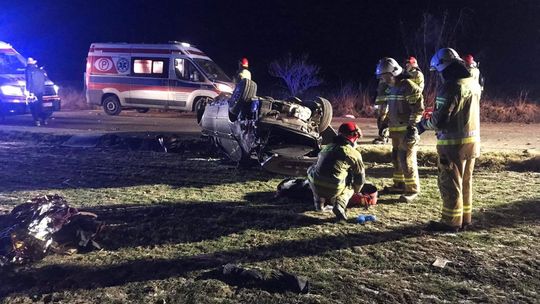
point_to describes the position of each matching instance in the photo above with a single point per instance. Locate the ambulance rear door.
(107, 71)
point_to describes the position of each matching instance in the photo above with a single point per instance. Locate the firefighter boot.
(340, 213)
(408, 197)
(394, 189)
(434, 226)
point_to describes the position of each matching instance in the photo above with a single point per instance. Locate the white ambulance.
(14, 98)
(173, 76)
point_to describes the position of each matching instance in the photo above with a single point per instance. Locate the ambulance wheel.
(111, 105)
(142, 110)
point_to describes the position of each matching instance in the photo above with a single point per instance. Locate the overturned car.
(285, 136)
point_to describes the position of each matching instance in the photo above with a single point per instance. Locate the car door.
(186, 79)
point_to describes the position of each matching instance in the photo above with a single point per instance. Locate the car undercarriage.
(285, 136)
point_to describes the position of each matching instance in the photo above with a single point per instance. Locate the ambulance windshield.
(211, 69)
(11, 64)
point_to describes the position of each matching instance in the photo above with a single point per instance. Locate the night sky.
(344, 38)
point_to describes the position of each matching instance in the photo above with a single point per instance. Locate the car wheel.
(142, 110)
(111, 105)
(244, 91)
(322, 108)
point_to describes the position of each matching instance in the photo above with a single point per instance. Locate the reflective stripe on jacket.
(456, 118)
(382, 91)
(402, 106)
(417, 77)
(244, 74)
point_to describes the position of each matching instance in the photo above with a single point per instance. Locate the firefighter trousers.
(455, 186)
(405, 165)
(322, 196)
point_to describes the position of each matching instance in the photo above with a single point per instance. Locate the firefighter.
(243, 72)
(382, 91)
(456, 120)
(35, 85)
(472, 66)
(399, 111)
(413, 70)
(339, 171)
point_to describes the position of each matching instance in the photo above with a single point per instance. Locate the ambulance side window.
(150, 67)
(185, 70)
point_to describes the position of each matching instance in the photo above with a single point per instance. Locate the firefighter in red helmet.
(339, 171)
(413, 70)
(243, 72)
(472, 66)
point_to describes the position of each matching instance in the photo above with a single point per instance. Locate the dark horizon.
(344, 38)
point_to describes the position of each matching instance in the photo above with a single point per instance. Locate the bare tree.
(432, 34)
(298, 74)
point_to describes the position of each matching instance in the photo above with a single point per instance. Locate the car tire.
(322, 104)
(142, 110)
(111, 105)
(243, 92)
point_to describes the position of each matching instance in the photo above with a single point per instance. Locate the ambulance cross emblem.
(122, 65)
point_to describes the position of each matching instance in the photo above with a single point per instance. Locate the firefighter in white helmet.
(456, 120)
(400, 109)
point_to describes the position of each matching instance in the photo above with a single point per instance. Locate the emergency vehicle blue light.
(255, 105)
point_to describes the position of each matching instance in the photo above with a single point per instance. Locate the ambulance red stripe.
(124, 87)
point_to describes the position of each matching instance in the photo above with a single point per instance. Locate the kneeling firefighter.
(339, 171)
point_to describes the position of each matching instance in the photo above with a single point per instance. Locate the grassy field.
(171, 219)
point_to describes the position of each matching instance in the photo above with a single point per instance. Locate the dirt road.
(511, 137)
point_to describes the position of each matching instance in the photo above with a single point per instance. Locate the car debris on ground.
(45, 224)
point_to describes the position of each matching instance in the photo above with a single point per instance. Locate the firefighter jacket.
(35, 79)
(401, 106)
(339, 165)
(475, 74)
(243, 73)
(417, 77)
(456, 119)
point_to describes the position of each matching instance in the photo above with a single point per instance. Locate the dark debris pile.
(43, 225)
